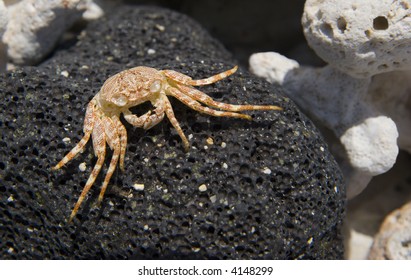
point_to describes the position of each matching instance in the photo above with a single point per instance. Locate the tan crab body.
(130, 88)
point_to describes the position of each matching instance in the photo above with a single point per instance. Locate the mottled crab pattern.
(130, 88)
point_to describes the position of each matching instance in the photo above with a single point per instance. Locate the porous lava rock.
(261, 189)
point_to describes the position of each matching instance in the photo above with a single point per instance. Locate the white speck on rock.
(266, 170)
(202, 188)
(82, 166)
(160, 27)
(138, 187)
(64, 73)
(151, 51)
(210, 141)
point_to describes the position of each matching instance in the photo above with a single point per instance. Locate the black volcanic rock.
(273, 191)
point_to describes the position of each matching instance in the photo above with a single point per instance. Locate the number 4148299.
(251, 270)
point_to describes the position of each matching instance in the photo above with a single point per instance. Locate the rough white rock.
(272, 66)
(4, 18)
(393, 239)
(94, 10)
(36, 25)
(365, 213)
(390, 94)
(97, 8)
(360, 37)
(372, 145)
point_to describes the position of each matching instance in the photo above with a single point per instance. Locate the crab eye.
(155, 86)
(121, 101)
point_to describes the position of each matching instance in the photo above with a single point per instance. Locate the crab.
(130, 88)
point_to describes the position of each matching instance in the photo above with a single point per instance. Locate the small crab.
(130, 88)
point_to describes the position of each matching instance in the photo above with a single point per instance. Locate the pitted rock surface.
(273, 191)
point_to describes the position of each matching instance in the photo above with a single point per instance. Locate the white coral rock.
(371, 145)
(4, 18)
(392, 240)
(36, 25)
(391, 94)
(360, 37)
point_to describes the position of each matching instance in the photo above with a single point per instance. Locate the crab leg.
(187, 80)
(170, 115)
(88, 128)
(70, 155)
(99, 144)
(204, 98)
(113, 140)
(122, 132)
(198, 107)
